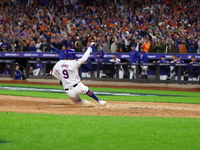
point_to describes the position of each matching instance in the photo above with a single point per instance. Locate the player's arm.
(55, 73)
(55, 49)
(86, 54)
(117, 61)
(18, 73)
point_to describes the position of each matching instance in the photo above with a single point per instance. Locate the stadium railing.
(152, 78)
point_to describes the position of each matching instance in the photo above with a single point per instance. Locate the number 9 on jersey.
(65, 74)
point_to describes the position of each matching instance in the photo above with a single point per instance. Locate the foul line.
(96, 92)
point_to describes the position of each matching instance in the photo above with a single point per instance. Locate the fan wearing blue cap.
(67, 71)
(134, 58)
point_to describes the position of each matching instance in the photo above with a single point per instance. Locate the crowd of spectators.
(160, 26)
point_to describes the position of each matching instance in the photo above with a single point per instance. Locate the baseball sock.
(91, 94)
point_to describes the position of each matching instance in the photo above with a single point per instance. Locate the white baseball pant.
(144, 70)
(100, 73)
(74, 92)
(36, 72)
(86, 75)
(132, 72)
(163, 77)
(121, 74)
(192, 79)
(172, 74)
(182, 78)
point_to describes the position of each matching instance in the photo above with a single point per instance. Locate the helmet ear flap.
(70, 54)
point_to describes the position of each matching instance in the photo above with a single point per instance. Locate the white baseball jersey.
(117, 61)
(67, 70)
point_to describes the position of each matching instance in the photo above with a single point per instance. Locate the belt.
(72, 86)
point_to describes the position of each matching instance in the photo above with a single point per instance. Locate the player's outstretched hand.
(92, 43)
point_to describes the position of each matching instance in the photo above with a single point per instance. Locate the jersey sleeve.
(111, 60)
(118, 60)
(55, 72)
(57, 50)
(85, 56)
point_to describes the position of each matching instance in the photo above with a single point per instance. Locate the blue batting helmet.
(70, 54)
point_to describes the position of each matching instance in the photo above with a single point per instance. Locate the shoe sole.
(103, 104)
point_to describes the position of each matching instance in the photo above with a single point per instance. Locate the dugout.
(3, 63)
(25, 59)
(152, 78)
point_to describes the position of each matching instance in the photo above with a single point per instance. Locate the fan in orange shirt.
(182, 47)
(169, 2)
(43, 28)
(146, 45)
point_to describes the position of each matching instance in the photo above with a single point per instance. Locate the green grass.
(111, 89)
(32, 85)
(73, 132)
(171, 99)
(22, 131)
(195, 96)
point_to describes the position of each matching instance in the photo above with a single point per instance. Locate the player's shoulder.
(60, 61)
(118, 59)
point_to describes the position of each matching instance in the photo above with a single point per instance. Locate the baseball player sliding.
(67, 72)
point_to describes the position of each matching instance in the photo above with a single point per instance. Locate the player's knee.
(71, 95)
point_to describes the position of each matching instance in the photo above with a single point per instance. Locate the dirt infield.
(113, 108)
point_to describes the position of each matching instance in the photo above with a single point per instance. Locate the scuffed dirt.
(113, 108)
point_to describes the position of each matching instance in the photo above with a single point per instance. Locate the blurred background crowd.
(160, 26)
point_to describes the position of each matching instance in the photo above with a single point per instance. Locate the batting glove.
(92, 44)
